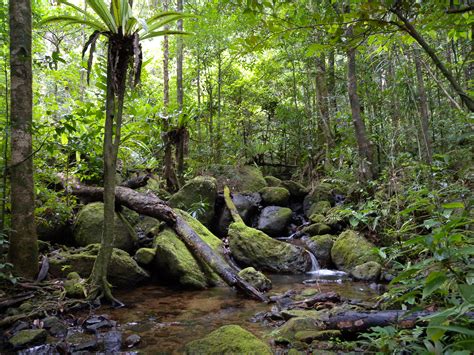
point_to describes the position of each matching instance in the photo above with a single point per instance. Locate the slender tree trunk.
(410, 29)
(6, 137)
(219, 107)
(23, 250)
(183, 131)
(198, 89)
(323, 99)
(332, 82)
(365, 150)
(424, 110)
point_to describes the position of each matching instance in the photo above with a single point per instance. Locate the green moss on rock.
(308, 336)
(274, 220)
(28, 337)
(154, 187)
(251, 247)
(351, 249)
(75, 288)
(229, 339)
(272, 181)
(144, 256)
(321, 246)
(246, 178)
(316, 229)
(198, 195)
(89, 225)
(320, 207)
(256, 279)
(369, 271)
(123, 271)
(275, 196)
(297, 190)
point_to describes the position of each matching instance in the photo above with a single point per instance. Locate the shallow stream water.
(167, 319)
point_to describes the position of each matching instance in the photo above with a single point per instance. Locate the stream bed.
(167, 319)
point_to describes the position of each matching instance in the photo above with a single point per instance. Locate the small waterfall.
(314, 263)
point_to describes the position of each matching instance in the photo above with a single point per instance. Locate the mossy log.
(152, 206)
(231, 206)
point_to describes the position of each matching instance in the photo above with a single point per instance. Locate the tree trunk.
(182, 135)
(332, 83)
(424, 111)
(323, 99)
(152, 206)
(23, 250)
(365, 150)
(410, 29)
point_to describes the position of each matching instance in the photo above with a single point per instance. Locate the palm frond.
(165, 33)
(164, 20)
(101, 9)
(74, 20)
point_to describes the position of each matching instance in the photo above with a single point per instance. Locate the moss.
(295, 325)
(73, 276)
(321, 246)
(199, 194)
(246, 178)
(89, 224)
(75, 288)
(320, 207)
(146, 224)
(176, 263)
(308, 336)
(123, 270)
(28, 337)
(351, 249)
(316, 229)
(252, 247)
(272, 181)
(256, 279)
(317, 218)
(154, 187)
(275, 196)
(305, 313)
(296, 189)
(144, 256)
(274, 220)
(369, 271)
(229, 339)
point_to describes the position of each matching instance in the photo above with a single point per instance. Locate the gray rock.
(27, 337)
(256, 279)
(369, 271)
(274, 220)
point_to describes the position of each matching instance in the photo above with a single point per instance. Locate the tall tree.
(23, 251)
(182, 131)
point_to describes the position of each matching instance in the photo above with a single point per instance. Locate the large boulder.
(321, 246)
(272, 181)
(89, 225)
(316, 229)
(27, 337)
(174, 262)
(229, 339)
(123, 271)
(297, 190)
(199, 196)
(320, 207)
(251, 247)
(275, 196)
(274, 220)
(369, 271)
(154, 187)
(256, 279)
(351, 249)
(245, 178)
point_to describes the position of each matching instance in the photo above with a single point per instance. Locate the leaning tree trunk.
(365, 150)
(23, 250)
(152, 206)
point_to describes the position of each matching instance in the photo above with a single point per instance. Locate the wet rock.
(320, 207)
(295, 313)
(27, 337)
(251, 247)
(275, 196)
(246, 178)
(308, 336)
(145, 256)
(112, 341)
(297, 324)
(199, 196)
(89, 224)
(55, 326)
(274, 220)
(229, 339)
(124, 272)
(145, 224)
(321, 246)
(256, 279)
(351, 249)
(369, 271)
(247, 205)
(316, 229)
(75, 286)
(82, 341)
(297, 190)
(174, 262)
(132, 340)
(322, 192)
(94, 323)
(272, 181)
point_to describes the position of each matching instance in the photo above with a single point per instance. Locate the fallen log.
(151, 205)
(231, 206)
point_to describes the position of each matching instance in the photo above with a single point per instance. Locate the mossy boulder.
(144, 256)
(317, 218)
(369, 271)
(245, 178)
(351, 249)
(174, 262)
(297, 190)
(272, 181)
(316, 229)
(123, 272)
(275, 196)
(145, 224)
(89, 225)
(229, 339)
(296, 325)
(256, 279)
(274, 220)
(198, 195)
(247, 205)
(75, 286)
(28, 337)
(251, 247)
(154, 187)
(321, 246)
(320, 207)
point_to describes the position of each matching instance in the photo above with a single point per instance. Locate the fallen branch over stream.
(151, 205)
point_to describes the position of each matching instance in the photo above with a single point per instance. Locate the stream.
(167, 319)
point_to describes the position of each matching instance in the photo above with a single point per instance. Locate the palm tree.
(123, 33)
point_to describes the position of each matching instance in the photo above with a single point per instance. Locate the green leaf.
(64, 139)
(467, 292)
(102, 10)
(453, 205)
(74, 20)
(453, 328)
(433, 282)
(165, 33)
